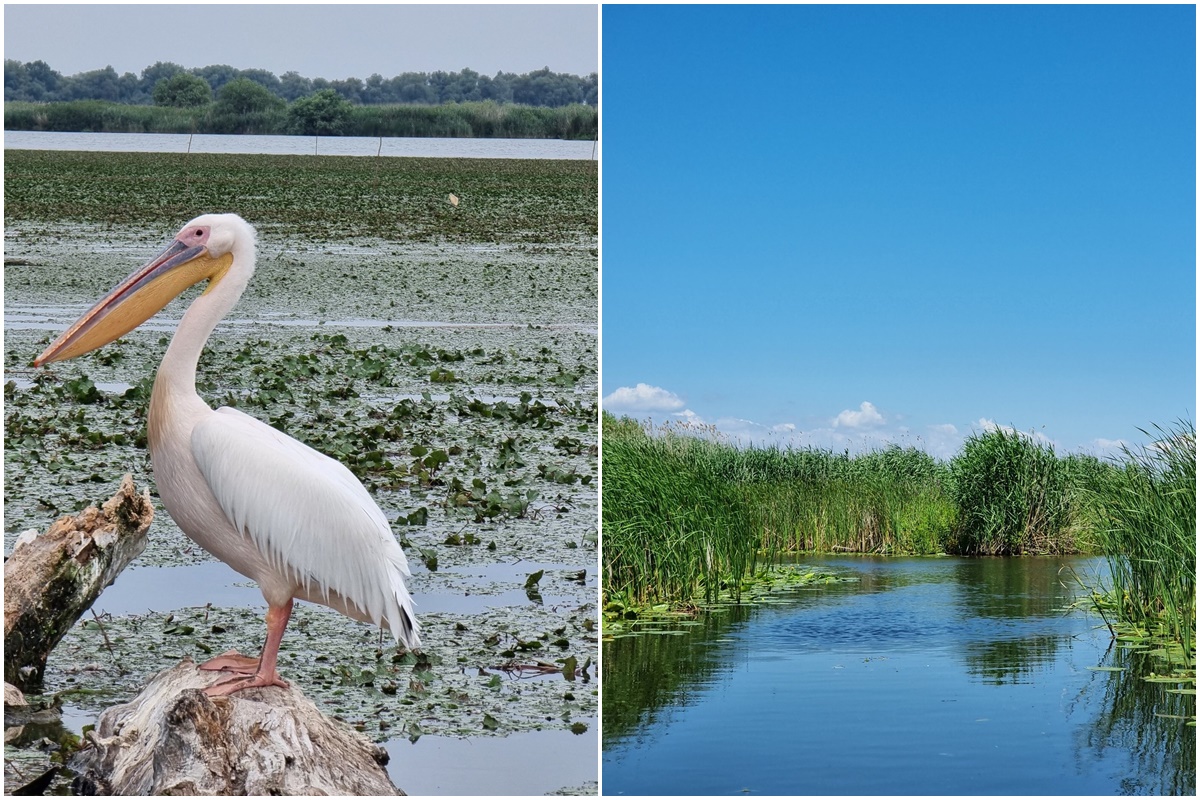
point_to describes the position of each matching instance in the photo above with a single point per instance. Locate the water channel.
(412, 147)
(923, 676)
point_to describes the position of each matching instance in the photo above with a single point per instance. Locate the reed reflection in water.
(927, 676)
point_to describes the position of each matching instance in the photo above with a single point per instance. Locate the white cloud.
(641, 398)
(1109, 447)
(1036, 436)
(867, 416)
(941, 440)
(740, 430)
(856, 431)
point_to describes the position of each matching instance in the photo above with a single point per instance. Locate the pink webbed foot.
(263, 669)
(236, 684)
(232, 661)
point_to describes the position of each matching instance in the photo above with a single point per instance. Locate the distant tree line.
(225, 100)
(37, 82)
(244, 107)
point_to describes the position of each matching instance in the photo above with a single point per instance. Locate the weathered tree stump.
(52, 578)
(172, 739)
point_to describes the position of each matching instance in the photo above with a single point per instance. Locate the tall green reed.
(672, 529)
(1012, 494)
(685, 515)
(885, 501)
(1148, 532)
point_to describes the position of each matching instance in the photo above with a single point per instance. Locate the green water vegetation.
(624, 615)
(323, 198)
(686, 514)
(497, 671)
(1147, 530)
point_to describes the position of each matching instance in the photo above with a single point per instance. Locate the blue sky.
(845, 226)
(318, 40)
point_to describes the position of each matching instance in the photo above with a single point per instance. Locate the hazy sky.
(852, 225)
(325, 41)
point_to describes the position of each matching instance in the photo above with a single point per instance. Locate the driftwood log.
(172, 739)
(52, 578)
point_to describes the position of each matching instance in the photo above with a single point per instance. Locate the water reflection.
(1016, 588)
(946, 671)
(644, 674)
(1011, 596)
(1147, 721)
(1010, 661)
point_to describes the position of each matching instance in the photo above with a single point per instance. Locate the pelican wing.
(308, 514)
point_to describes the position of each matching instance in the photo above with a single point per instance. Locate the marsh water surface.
(925, 676)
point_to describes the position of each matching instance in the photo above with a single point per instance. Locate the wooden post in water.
(187, 173)
(378, 153)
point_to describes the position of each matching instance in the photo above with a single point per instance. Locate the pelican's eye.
(198, 232)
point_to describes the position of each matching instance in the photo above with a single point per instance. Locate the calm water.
(929, 676)
(515, 764)
(300, 145)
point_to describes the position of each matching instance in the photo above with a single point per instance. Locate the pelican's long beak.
(137, 298)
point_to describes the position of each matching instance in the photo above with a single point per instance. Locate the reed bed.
(672, 528)
(1013, 496)
(687, 515)
(884, 502)
(1148, 532)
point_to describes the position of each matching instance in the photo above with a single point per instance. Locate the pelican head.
(202, 250)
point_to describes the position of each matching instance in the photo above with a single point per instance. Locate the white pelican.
(294, 520)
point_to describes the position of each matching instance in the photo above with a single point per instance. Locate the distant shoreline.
(479, 120)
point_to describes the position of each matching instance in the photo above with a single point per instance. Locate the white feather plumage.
(313, 519)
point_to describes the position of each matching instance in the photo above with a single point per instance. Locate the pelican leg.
(277, 620)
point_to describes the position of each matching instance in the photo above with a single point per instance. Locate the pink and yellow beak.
(140, 296)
